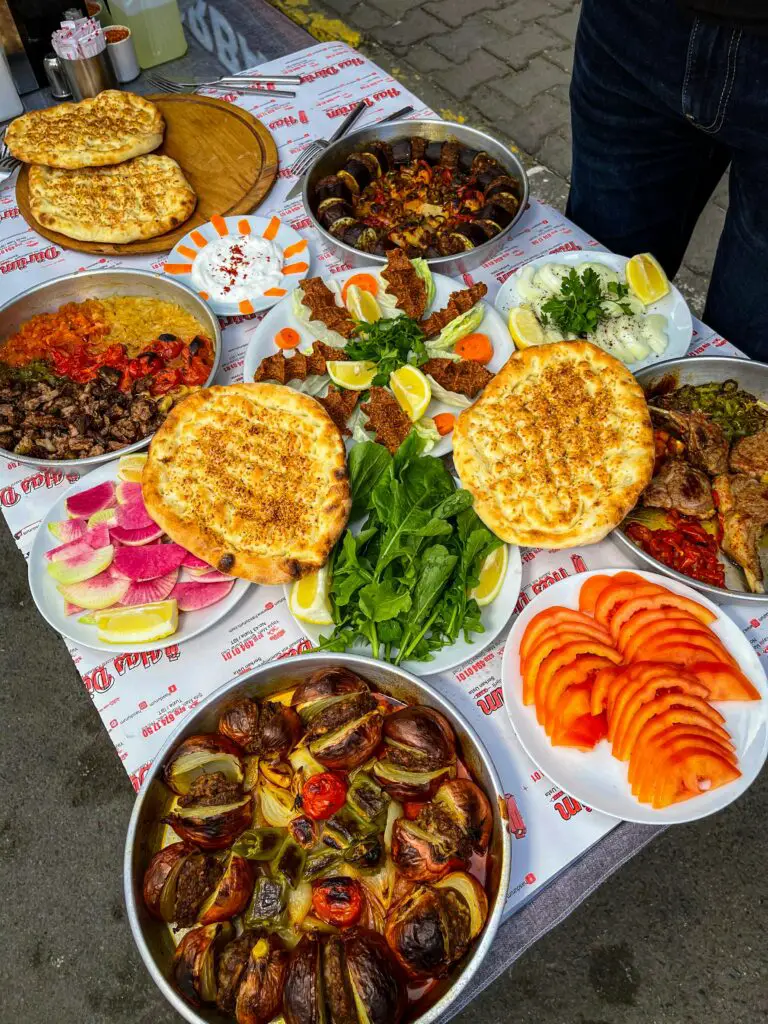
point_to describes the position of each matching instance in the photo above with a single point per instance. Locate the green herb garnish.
(578, 308)
(389, 343)
(401, 584)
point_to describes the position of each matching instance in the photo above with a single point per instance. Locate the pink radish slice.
(72, 609)
(193, 562)
(191, 597)
(72, 549)
(214, 576)
(100, 591)
(68, 529)
(134, 516)
(151, 590)
(85, 503)
(149, 561)
(135, 538)
(98, 536)
(128, 492)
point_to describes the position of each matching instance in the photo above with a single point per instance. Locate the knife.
(343, 128)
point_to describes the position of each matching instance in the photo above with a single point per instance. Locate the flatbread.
(252, 478)
(141, 198)
(558, 448)
(108, 129)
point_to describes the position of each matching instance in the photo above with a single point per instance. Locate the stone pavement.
(500, 64)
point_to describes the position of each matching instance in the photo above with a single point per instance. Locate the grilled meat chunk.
(405, 284)
(750, 455)
(322, 305)
(197, 880)
(340, 403)
(743, 507)
(299, 366)
(680, 486)
(211, 789)
(706, 444)
(465, 377)
(458, 303)
(386, 419)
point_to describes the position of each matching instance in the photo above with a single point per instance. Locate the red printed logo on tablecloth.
(99, 680)
(538, 585)
(20, 262)
(566, 806)
(137, 777)
(300, 648)
(491, 701)
(530, 878)
(515, 823)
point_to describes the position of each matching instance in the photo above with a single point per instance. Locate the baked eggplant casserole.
(326, 857)
(428, 198)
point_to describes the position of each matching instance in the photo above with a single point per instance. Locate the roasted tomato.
(166, 380)
(323, 795)
(338, 901)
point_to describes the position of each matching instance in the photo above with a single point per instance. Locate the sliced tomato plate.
(595, 777)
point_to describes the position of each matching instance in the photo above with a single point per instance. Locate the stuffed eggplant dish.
(430, 199)
(324, 857)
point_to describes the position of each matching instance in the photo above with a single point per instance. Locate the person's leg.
(641, 171)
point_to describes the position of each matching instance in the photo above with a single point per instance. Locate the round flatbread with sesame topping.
(558, 448)
(252, 478)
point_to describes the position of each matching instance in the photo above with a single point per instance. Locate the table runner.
(140, 697)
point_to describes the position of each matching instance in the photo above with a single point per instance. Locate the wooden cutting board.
(228, 157)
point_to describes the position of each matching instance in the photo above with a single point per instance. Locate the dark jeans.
(661, 105)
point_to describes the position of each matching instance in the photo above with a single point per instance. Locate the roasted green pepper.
(259, 843)
(366, 798)
(288, 866)
(267, 903)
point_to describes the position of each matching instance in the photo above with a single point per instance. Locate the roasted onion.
(231, 969)
(375, 978)
(303, 1000)
(428, 931)
(232, 892)
(198, 755)
(161, 877)
(261, 991)
(194, 963)
(348, 742)
(279, 730)
(469, 808)
(323, 688)
(473, 894)
(404, 784)
(422, 855)
(240, 723)
(211, 827)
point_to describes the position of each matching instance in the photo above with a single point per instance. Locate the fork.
(244, 83)
(8, 163)
(315, 148)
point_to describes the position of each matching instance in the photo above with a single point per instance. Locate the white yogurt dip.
(237, 267)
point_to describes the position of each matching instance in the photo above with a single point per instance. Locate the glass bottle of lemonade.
(156, 28)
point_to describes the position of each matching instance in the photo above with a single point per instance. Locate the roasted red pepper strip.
(687, 547)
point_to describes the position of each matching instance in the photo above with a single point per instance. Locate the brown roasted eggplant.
(194, 963)
(424, 731)
(240, 723)
(468, 806)
(323, 688)
(161, 878)
(473, 894)
(279, 730)
(428, 931)
(409, 784)
(422, 854)
(374, 977)
(231, 968)
(331, 187)
(351, 745)
(232, 891)
(260, 995)
(212, 826)
(303, 997)
(198, 755)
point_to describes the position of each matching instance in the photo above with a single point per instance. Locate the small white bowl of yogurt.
(240, 265)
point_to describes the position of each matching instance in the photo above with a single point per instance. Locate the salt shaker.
(10, 104)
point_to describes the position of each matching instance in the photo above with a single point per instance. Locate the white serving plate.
(50, 603)
(263, 345)
(596, 778)
(494, 617)
(300, 258)
(673, 306)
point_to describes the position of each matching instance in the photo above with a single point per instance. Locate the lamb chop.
(680, 486)
(706, 444)
(750, 455)
(743, 507)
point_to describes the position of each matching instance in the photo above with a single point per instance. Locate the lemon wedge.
(104, 515)
(352, 375)
(140, 624)
(646, 278)
(129, 468)
(525, 329)
(412, 390)
(309, 600)
(491, 577)
(362, 305)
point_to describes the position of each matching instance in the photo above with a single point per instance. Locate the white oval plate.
(673, 306)
(50, 603)
(597, 779)
(263, 344)
(296, 255)
(494, 617)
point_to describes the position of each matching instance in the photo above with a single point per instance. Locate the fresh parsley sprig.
(578, 309)
(391, 343)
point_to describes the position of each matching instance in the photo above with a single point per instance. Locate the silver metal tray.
(153, 937)
(751, 376)
(102, 284)
(335, 156)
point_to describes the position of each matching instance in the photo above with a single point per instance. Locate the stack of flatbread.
(93, 174)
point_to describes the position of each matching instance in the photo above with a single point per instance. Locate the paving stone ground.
(505, 65)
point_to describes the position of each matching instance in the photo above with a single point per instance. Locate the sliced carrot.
(617, 594)
(287, 338)
(476, 347)
(663, 726)
(667, 600)
(623, 749)
(365, 282)
(551, 618)
(444, 423)
(724, 681)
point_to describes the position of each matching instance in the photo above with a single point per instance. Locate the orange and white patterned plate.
(295, 251)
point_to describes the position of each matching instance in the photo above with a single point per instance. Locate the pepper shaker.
(122, 53)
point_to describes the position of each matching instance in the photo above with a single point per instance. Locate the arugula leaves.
(578, 308)
(401, 584)
(390, 343)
